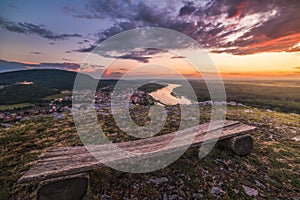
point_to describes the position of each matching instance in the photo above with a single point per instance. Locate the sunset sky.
(243, 38)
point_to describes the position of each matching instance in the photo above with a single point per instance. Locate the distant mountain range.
(51, 78)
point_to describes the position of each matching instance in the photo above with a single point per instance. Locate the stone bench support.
(72, 187)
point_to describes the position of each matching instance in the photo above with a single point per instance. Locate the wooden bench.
(63, 173)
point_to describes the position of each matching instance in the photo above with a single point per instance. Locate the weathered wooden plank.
(201, 129)
(137, 146)
(72, 160)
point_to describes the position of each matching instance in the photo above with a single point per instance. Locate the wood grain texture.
(64, 161)
(240, 145)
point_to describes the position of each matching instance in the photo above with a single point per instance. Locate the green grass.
(14, 94)
(281, 96)
(273, 162)
(55, 96)
(15, 106)
(26, 105)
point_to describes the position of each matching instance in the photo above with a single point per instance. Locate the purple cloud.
(28, 28)
(232, 26)
(6, 66)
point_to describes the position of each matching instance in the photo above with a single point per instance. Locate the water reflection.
(165, 96)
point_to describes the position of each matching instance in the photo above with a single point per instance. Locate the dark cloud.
(146, 15)
(84, 41)
(126, 15)
(101, 9)
(67, 59)
(91, 66)
(32, 29)
(297, 67)
(6, 66)
(117, 9)
(187, 9)
(83, 50)
(144, 59)
(123, 69)
(177, 57)
(232, 26)
(65, 66)
(36, 52)
(141, 55)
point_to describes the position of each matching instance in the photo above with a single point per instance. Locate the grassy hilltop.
(272, 169)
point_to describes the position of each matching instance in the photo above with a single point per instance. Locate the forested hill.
(24, 93)
(50, 78)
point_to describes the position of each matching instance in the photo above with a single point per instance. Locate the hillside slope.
(24, 93)
(51, 78)
(270, 171)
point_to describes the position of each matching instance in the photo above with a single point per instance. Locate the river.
(164, 96)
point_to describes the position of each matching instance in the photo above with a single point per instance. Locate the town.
(60, 107)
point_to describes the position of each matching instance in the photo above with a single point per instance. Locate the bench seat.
(66, 161)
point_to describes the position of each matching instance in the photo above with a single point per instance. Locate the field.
(282, 99)
(276, 83)
(55, 96)
(272, 169)
(15, 106)
(281, 96)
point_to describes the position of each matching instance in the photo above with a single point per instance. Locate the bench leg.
(66, 188)
(241, 145)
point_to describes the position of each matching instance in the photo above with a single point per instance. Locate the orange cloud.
(107, 72)
(278, 43)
